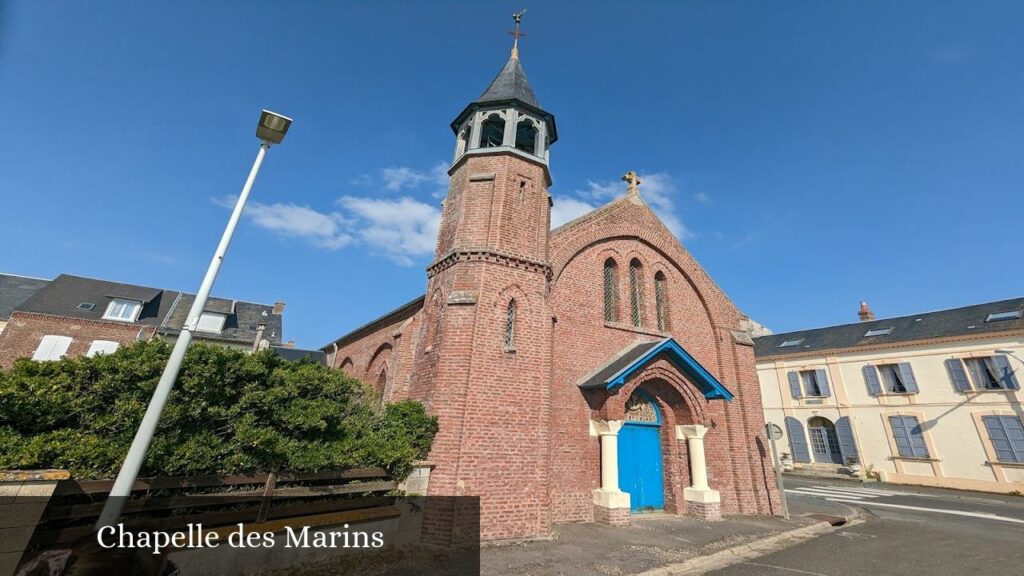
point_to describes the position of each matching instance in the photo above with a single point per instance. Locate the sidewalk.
(652, 542)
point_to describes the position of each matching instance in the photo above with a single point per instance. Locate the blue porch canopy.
(633, 359)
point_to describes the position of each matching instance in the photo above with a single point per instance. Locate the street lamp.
(271, 130)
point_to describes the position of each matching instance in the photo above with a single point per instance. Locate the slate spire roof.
(510, 84)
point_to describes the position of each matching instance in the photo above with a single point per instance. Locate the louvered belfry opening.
(659, 300)
(610, 297)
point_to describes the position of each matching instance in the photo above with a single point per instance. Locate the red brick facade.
(514, 423)
(25, 331)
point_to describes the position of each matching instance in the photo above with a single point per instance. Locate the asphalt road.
(906, 531)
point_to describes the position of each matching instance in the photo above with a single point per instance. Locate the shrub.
(229, 412)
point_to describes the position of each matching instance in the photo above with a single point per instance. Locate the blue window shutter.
(1007, 436)
(822, 377)
(907, 375)
(955, 366)
(871, 379)
(797, 440)
(909, 436)
(916, 437)
(847, 445)
(1006, 376)
(794, 384)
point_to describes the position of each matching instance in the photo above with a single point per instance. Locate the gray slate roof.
(510, 84)
(16, 289)
(165, 309)
(616, 364)
(318, 356)
(968, 320)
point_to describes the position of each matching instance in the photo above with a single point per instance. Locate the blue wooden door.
(640, 466)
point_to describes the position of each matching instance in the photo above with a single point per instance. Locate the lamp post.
(270, 130)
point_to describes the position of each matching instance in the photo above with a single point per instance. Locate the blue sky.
(809, 154)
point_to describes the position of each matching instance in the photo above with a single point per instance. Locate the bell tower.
(483, 355)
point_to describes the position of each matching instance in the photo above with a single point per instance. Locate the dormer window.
(211, 322)
(123, 310)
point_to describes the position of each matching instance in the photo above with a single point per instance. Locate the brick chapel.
(580, 374)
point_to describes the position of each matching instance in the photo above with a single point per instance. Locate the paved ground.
(907, 531)
(652, 541)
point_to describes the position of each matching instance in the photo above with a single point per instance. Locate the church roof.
(510, 84)
(628, 362)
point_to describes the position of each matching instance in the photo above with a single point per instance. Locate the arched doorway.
(640, 472)
(824, 441)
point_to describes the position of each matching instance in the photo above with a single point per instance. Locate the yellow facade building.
(930, 399)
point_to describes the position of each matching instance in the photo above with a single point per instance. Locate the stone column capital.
(687, 431)
(605, 427)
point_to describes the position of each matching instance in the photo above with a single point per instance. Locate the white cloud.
(702, 197)
(317, 228)
(401, 229)
(399, 178)
(658, 189)
(566, 209)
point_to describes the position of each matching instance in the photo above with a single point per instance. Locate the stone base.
(611, 508)
(612, 516)
(710, 511)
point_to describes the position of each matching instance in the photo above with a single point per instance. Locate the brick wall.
(25, 331)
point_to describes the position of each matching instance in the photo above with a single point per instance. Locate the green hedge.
(230, 412)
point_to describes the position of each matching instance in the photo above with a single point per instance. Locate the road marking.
(850, 491)
(807, 492)
(984, 515)
(782, 568)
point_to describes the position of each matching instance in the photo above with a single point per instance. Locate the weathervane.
(518, 17)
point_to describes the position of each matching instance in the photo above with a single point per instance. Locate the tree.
(230, 412)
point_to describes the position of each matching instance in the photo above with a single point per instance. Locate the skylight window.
(878, 332)
(86, 306)
(997, 316)
(789, 343)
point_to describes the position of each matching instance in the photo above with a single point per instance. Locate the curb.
(749, 551)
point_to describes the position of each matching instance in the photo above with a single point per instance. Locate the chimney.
(279, 307)
(865, 313)
(290, 344)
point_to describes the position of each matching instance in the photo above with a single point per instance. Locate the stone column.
(611, 505)
(700, 499)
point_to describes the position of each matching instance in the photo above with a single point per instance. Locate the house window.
(101, 347)
(52, 348)
(909, 436)
(526, 136)
(789, 343)
(635, 302)
(991, 373)
(892, 379)
(811, 383)
(123, 310)
(211, 322)
(878, 332)
(659, 300)
(1007, 436)
(998, 316)
(611, 280)
(510, 326)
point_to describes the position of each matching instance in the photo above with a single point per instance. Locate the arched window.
(492, 131)
(382, 379)
(659, 300)
(635, 302)
(510, 325)
(346, 365)
(526, 136)
(611, 297)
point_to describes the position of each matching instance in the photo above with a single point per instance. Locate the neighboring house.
(14, 290)
(72, 316)
(931, 399)
(578, 374)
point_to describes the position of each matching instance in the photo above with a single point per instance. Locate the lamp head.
(272, 127)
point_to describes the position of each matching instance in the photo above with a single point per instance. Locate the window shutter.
(822, 377)
(797, 440)
(794, 384)
(1007, 436)
(955, 366)
(847, 445)
(101, 347)
(52, 348)
(916, 437)
(907, 374)
(1005, 372)
(871, 379)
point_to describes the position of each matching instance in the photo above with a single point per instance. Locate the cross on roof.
(518, 17)
(633, 180)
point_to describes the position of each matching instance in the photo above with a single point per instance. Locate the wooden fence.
(261, 501)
